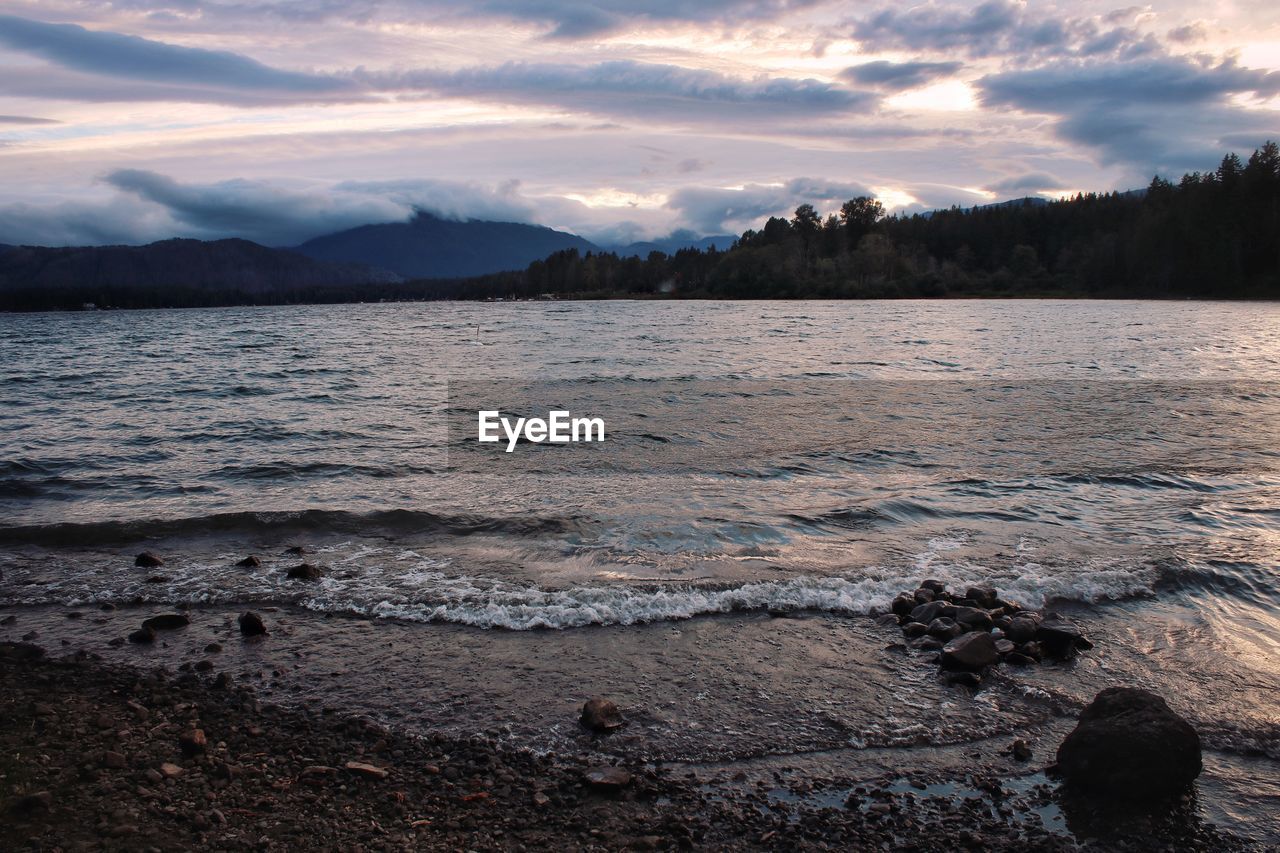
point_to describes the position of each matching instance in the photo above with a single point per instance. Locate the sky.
(282, 120)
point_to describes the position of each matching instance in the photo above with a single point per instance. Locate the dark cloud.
(1165, 114)
(91, 65)
(26, 120)
(262, 212)
(712, 210)
(130, 57)
(1000, 28)
(562, 19)
(1025, 184)
(629, 88)
(898, 76)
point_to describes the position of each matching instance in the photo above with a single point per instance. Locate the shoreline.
(69, 721)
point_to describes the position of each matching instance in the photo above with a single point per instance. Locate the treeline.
(1212, 234)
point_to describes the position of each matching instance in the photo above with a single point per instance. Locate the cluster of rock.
(979, 629)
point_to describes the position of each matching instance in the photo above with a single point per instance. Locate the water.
(1116, 458)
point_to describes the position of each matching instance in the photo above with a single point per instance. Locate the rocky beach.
(187, 754)
(104, 758)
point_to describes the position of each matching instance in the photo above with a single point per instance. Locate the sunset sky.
(280, 120)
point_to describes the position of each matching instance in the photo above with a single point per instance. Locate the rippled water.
(1086, 450)
(813, 457)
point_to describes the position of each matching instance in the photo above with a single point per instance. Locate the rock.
(170, 771)
(113, 760)
(144, 636)
(157, 579)
(903, 605)
(1021, 750)
(971, 651)
(1021, 629)
(1005, 647)
(1018, 659)
(317, 772)
(973, 618)
(601, 715)
(193, 742)
(31, 804)
(926, 613)
(1130, 744)
(147, 560)
(366, 770)
(887, 620)
(251, 624)
(914, 629)
(944, 629)
(923, 596)
(609, 778)
(213, 648)
(963, 678)
(203, 666)
(20, 651)
(540, 799)
(222, 682)
(985, 596)
(305, 572)
(297, 551)
(938, 587)
(1060, 638)
(250, 562)
(1032, 650)
(167, 622)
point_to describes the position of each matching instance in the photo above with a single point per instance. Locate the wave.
(282, 524)
(424, 592)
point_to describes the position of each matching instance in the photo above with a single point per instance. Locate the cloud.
(26, 120)
(187, 73)
(628, 88)
(1189, 33)
(83, 223)
(1167, 113)
(282, 216)
(712, 210)
(899, 76)
(1024, 184)
(1000, 28)
(562, 19)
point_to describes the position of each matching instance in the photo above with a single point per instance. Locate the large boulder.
(1129, 744)
(972, 652)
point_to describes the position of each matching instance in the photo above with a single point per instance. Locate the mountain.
(674, 243)
(170, 272)
(430, 247)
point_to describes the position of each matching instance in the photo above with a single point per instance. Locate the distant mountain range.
(175, 271)
(430, 247)
(369, 261)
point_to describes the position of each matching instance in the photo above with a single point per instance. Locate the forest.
(1212, 234)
